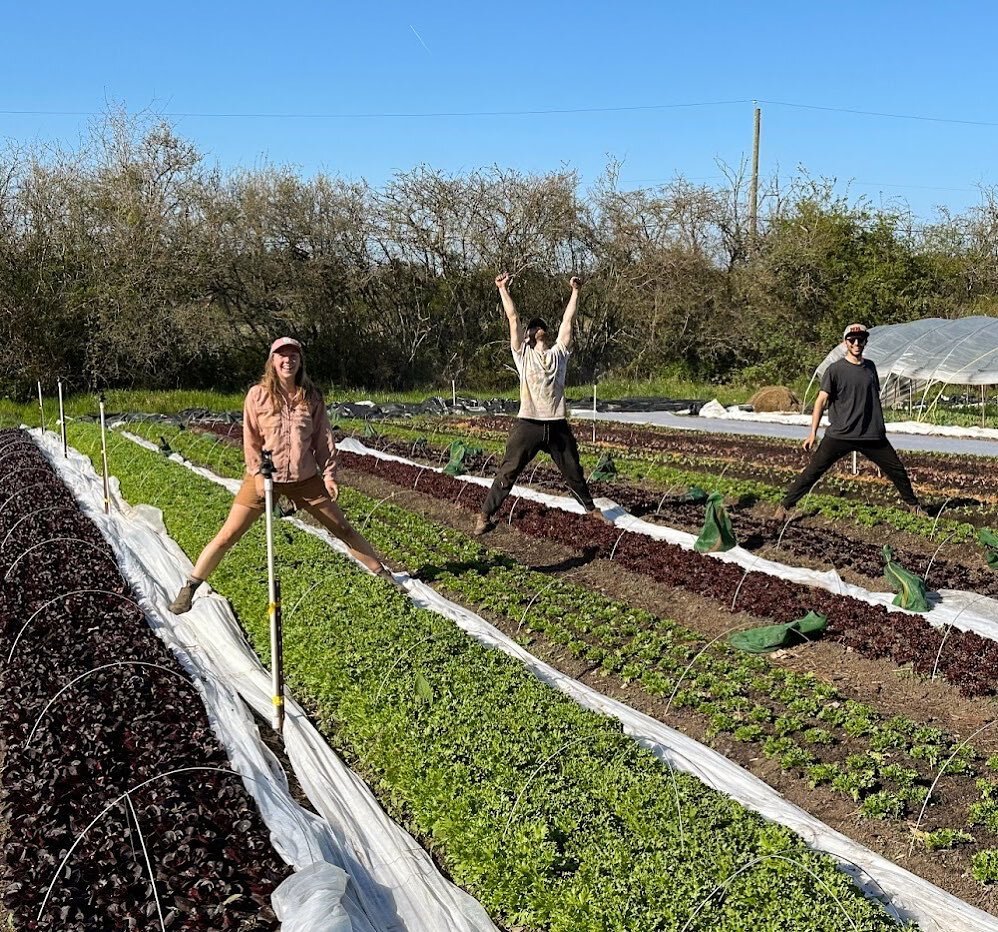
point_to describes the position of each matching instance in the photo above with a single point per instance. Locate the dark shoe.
(387, 575)
(182, 603)
(483, 524)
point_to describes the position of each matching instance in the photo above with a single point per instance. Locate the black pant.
(832, 449)
(526, 440)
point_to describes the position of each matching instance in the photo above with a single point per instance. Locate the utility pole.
(754, 184)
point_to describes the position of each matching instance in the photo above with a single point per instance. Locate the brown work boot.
(182, 603)
(483, 524)
(599, 516)
(782, 514)
(916, 509)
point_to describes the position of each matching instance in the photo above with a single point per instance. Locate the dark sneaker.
(483, 525)
(387, 575)
(182, 603)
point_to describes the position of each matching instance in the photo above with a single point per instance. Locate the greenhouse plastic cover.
(956, 352)
(904, 894)
(356, 870)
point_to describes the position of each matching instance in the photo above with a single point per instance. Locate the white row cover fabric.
(904, 435)
(966, 611)
(357, 871)
(953, 352)
(905, 895)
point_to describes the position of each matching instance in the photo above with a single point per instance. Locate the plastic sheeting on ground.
(906, 895)
(966, 611)
(357, 871)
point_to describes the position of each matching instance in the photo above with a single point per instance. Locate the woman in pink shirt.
(285, 414)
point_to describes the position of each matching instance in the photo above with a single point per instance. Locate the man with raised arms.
(542, 421)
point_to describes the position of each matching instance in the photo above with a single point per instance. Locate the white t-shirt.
(542, 381)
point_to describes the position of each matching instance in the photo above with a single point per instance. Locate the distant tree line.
(132, 261)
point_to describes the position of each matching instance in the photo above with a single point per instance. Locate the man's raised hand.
(502, 280)
(575, 282)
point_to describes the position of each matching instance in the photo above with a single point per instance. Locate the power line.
(879, 113)
(287, 115)
(424, 115)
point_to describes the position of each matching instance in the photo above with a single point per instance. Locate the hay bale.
(775, 398)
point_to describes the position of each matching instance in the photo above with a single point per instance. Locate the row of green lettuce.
(546, 812)
(795, 719)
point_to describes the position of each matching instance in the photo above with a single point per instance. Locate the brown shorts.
(307, 492)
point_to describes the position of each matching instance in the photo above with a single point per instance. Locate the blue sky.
(930, 60)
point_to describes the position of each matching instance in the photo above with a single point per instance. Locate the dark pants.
(832, 449)
(526, 440)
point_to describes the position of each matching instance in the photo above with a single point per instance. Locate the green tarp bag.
(716, 536)
(605, 471)
(694, 495)
(910, 588)
(459, 452)
(989, 541)
(772, 637)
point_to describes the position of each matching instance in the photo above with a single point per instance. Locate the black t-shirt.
(854, 408)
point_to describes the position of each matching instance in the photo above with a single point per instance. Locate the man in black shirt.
(851, 388)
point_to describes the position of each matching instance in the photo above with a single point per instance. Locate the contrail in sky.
(418, 36)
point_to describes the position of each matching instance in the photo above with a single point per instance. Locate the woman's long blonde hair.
(305, 390)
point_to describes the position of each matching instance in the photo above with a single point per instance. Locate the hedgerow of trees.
(133, 261)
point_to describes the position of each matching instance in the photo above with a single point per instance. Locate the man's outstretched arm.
(568, 318)
(515, 331)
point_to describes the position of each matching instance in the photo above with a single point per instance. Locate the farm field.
(880, 728)
(874, 785)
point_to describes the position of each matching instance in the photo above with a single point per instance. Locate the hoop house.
(912, 358)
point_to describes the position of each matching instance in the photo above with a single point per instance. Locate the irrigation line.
(938, 516)
(145, 854)
(745, 624)
(53, 540)
(37, 511)
(613, 549)
(540, 592)
(949, 628)
(11, 448)
(741, 870)
(398, 660)
(375, 508)
(925, 577)
(534, 773)
(942, 770)
(18, 472)
(117, 663)
(65, 595)
(23, 489)
(79, 838)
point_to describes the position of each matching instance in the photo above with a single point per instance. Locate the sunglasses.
(856, 339)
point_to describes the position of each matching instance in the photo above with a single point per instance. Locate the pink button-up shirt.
(300, 437)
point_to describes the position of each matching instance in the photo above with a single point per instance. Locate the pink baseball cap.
(282, 342)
